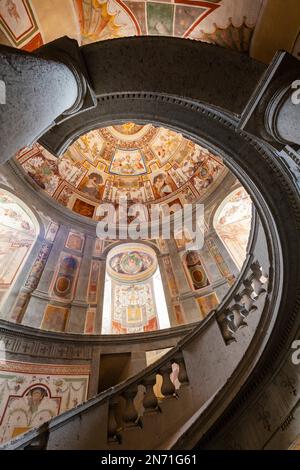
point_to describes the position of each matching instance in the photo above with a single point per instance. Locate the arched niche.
(232, 223)
(19, 230)
(195, 271)
(134, 299)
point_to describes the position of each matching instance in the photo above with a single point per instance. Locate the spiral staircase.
(226, 362)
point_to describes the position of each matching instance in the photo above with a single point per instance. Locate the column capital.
(67, 51)
(41, 89)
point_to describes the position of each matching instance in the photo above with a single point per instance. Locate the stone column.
(36, 91)
(283, 114)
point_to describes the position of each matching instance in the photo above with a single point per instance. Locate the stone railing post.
(167, 388)
(112, 425)
(182, 375)
(130, 414)
(150, 402)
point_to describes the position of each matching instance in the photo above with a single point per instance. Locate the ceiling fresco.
(139, 164)
(130, 263)
(28, 24)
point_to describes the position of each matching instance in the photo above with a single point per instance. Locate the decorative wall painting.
(55, 318)
(31, 394)
(207, 303)
(65, 279)
(75, 241)
(197, 274)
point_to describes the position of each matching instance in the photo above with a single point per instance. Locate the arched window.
(232, 223)
(134, 299)
(18, 232)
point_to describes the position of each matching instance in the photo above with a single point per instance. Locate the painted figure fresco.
(92, 185)
(127, 163)
(139, 164)
(227, 23)
(163, 185)
(131, 263)
(18, 23)
(101, 20)
(47, 171)
(99, 246)
(17, 236)
(31, 394)
(35, 407)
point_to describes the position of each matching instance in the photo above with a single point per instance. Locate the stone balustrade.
(234, 315)
(139, 412)
(159, 376)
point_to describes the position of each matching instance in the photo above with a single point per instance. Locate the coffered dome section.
(127, 162)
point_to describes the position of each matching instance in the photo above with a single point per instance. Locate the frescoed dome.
(140, 164)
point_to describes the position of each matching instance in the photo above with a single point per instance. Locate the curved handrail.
(37, 334)
(163, 367)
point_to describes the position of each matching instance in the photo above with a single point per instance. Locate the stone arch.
(232, 223)
(134, 296)
(20, 230)
(194, 269)
(217, 130)
(120, 242)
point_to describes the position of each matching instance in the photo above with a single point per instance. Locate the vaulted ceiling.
(259, 27)
(139, 164)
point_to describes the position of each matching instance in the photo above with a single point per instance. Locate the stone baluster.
(247, 296)
(167, 388)
(256, 279)
(233, 317)
(150, 402)
(182, 375)
(112, 422)
(130, 414)
(239, 314)
(226, 326)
